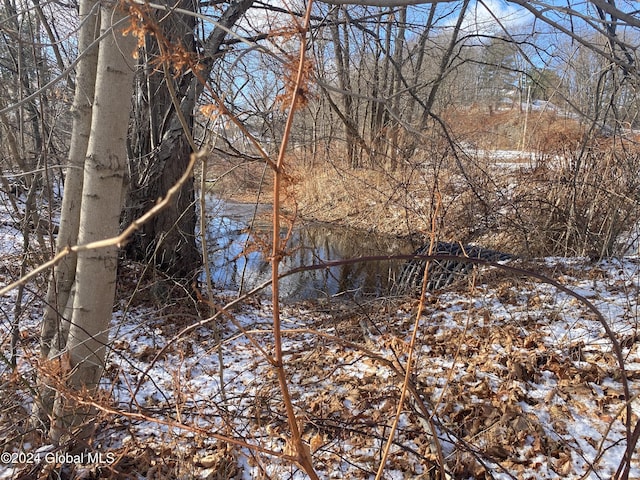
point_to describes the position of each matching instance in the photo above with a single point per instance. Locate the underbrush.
(510, 378)
(569, 203)
(522, 371)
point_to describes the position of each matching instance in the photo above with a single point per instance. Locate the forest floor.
(518, 380)
(511, 376)
(515, 378)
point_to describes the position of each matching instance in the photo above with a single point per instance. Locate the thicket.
(566, 195)
(490, 377)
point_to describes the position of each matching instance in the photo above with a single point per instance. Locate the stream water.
(235, 241)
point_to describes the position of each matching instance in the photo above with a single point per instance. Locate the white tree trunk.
(62, 280)
(104, 170)
(54, 330)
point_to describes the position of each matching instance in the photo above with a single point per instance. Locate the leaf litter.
(518, 380)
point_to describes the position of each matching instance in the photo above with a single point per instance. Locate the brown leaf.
(316, 441)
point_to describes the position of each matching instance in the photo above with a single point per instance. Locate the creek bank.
(239, 242)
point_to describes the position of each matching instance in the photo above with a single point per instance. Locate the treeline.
(386, 80)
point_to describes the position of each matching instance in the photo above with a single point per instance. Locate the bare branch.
(118, 241)
(384, 3)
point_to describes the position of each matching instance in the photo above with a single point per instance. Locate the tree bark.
(160, 153)
(82, 361)
(64, 274)
(54, 329)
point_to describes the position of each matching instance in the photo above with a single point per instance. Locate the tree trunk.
(161, 152)
(53, 334)
(342, 59)
(82, 360)
(168, 240)
(395, 87)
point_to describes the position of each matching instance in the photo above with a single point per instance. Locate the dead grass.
(542, 131)
(565, 196)
(364, 199)
(239, 179)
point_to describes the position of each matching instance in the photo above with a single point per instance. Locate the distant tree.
(30, 139)
(543, 83)
(499, 74)
(342, 55)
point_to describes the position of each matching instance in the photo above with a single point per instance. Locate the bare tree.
(54, 326)
(77, 355)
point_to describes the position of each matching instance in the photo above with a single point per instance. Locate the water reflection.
(236, 261)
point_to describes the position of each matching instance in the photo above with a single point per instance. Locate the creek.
(237, 236)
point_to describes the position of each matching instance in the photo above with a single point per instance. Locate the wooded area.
(493, 145)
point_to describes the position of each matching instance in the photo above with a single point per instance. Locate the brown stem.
(302, 451)
(407, 371)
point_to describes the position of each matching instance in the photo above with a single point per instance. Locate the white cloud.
(487, 16)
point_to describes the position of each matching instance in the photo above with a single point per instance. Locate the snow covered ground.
(516, 378)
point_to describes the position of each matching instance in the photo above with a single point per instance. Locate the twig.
(409, 366)
(119, 240)
(302, 450)
(78, 399)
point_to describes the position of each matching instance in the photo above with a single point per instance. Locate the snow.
(573, 422)
(513, 370)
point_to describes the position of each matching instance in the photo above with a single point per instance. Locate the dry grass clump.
(544, 131)
(567, 194)
(370, 199)
(238, 178)
(569, 197)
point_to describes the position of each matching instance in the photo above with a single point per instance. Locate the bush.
(578, 203)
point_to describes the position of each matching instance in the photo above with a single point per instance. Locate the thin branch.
(118, 241)
(384, 3)
(66, 71)
(302, 450)
(409, 365)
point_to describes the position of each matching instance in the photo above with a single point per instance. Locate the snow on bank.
(517, 375)
(519, 378)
